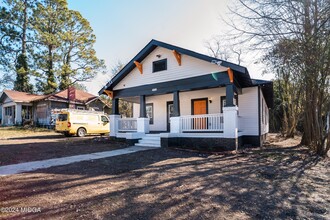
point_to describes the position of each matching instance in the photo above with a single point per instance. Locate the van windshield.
(62, 117)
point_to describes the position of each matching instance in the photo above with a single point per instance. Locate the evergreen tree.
(49, 18)
(15, 22)
(79, 61)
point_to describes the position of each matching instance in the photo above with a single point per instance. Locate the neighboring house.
(19, 107)
(68, 98)
(189, 99)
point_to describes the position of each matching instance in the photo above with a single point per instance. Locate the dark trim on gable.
(242, 71)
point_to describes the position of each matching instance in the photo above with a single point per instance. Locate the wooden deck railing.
(207, 122)
(127, 124)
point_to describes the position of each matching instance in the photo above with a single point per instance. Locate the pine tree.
(16, 19)
(49, 18)
(79, 61)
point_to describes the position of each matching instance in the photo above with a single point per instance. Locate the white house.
(16, 107)
(190, 100)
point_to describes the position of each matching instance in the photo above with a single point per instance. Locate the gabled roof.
(241, 74)
(81, 96)
(16, 96)
(243, 78)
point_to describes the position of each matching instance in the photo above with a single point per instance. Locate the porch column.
(229, 95)
(115, 106)
(3, 115)
(176, 104)
(114, 117)
(230, 119)
(143, 107)
(18, 114)
(143, 121)
(175, 119)
(230, 122)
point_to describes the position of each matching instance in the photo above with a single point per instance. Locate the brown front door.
(199, 107)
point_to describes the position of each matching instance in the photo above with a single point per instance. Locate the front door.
(199, 107)
(170, 109)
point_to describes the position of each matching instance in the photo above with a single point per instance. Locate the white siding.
(247, 107)
(160, 105)
(264, 115)
(210, 94)
(160, 111)
(136, 110)
(190, 67)
(248, 111)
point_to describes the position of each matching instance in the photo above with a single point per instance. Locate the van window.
(62, 117)
(104, 119)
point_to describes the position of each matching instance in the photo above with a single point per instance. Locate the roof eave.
(151, 46)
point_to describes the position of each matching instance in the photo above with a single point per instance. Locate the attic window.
(159, 65)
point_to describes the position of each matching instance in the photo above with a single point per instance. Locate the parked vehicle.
(81, 122)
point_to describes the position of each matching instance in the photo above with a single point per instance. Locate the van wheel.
(81, 132)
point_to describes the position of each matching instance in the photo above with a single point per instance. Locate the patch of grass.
(12, 132)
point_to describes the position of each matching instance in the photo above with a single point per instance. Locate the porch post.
(230, 122)
(229, 95)
(143, 121)
(176, 104)
(18, 114)
(115, 106)
(114, 117)
(143, 106)
(230, 119)
(3, 115)
(175, 126)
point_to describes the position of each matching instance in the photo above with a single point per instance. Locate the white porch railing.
(207, 122)
(127, 124)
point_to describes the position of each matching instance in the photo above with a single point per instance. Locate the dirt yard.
(280, 181)
(21, 145)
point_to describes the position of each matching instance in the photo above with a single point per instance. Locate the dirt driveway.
(282, 181)
(47, 145)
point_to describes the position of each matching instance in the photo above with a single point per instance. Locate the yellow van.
(81, 122)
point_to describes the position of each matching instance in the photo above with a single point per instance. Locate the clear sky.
(124, 27)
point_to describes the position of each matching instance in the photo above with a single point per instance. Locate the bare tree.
(222, 47)
(284, 60)
(267, 23)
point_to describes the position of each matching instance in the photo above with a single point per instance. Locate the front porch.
(168, 115)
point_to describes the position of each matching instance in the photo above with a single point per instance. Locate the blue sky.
(124, 27)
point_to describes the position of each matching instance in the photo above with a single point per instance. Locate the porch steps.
(150, 140)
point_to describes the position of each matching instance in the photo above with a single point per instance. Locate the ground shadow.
(170, 184)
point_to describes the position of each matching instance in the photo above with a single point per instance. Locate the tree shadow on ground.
(170, 184)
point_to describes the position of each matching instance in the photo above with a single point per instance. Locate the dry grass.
(14, 132)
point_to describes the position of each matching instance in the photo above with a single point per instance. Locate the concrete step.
(147, 145)
(150, 140)
(152, 135)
